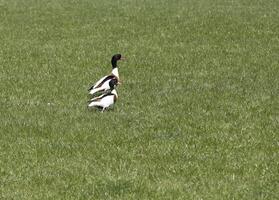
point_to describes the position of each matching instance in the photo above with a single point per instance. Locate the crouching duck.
(102, 85)
(105, 100)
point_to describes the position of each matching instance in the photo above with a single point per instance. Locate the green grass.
(198, 113)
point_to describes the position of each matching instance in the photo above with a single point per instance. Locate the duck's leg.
(104, 108)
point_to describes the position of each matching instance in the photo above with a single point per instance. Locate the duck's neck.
(115, 72)
(115, 96)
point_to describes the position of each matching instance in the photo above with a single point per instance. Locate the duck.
(106, 100)
(102, 85)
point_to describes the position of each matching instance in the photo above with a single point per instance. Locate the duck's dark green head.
(115, 58)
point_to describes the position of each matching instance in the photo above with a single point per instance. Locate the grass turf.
(197, 116)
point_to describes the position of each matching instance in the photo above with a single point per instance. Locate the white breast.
(115, 72)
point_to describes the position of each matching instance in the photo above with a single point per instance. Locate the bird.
(102, 85)
(107, 99)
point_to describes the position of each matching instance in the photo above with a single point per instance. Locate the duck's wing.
(100, 82)
(98, 98)
(103, 101)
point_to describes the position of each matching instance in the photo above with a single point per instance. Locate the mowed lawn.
(198, 110)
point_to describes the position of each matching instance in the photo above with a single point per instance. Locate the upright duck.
(102, 85)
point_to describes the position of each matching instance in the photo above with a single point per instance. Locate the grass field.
(198, 110)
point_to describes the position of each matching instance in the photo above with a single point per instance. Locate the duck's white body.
(104, 101)
(102, 85)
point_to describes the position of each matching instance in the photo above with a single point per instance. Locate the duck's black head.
(113, 83)
(114, 60)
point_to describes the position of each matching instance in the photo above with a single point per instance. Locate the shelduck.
(105, 100)
(102, 85)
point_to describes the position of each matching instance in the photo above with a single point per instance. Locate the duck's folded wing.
(104, 101)
(97, 83)
(98, 98)
(100, 82)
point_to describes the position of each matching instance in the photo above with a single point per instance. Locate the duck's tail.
(91, 87)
